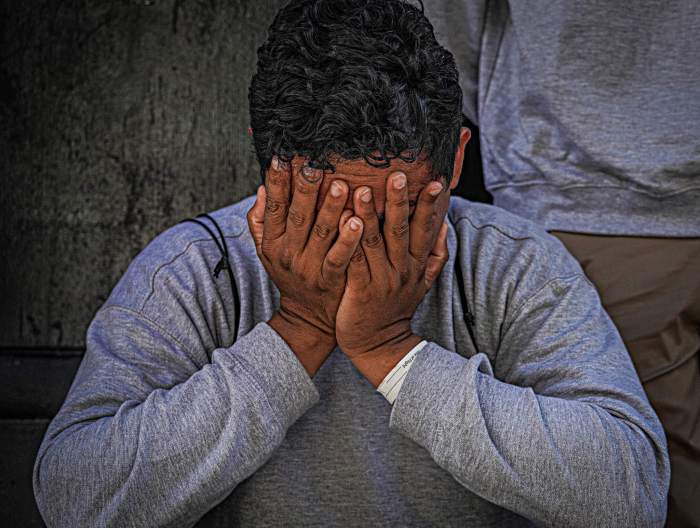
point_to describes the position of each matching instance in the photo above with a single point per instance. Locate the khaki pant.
(651, 289)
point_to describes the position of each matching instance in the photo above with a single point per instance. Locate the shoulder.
(506, 240)
(504, 260)
(183, 253)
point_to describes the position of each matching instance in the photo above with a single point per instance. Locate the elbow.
(645, 468)
(646, 512)
(627, 508)
(55, 490)
(654, 472)
(630, 487)
(50, 488)
(45, 482)
(652, 506)
(646, 501)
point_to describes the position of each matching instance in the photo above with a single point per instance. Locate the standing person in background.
(589, 115)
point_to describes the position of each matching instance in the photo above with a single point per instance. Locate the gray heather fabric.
(547, 423)
(589, 111)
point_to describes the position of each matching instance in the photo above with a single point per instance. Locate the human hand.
(307, 264)
(388, 276)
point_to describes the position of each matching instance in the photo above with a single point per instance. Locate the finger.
(256, 218)
(396, 222)
(276, 201)
(344, 217)
(338, 257)
(358, 269)
(422, 229)
(372, 238)
(302, 211)
(327, 221)
(437, 259)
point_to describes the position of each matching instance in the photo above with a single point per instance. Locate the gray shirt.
(589, 111)
(541, 418)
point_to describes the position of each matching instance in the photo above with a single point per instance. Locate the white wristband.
(391, 384)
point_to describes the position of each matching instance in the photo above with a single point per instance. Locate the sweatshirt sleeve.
(146, 438)
(557, 428)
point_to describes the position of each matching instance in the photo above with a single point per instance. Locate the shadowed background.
(118, 119)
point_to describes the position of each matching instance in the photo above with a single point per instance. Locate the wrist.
(309, 343)
(376, 363)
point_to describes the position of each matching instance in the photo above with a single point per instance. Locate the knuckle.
(404, 276)
(304, 187)
(421, 260)
(267, 247)
(333, 262)
(429, 221)
(308, 279)
(358, 256)
(296, 217)
(276, 178)
(400, 231)
(364, 296)
(321, 231)
(286, 260)
(401, 201)
(322, 285)
(275, 208)
(373, 240)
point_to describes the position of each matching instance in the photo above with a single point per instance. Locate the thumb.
(256, 218)
(437, 258)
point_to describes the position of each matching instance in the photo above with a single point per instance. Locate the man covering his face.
(449, 365)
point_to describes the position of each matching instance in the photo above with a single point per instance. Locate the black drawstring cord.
(229, 269)
(224, 263)
(468, 316)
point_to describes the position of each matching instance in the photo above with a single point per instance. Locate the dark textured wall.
(117, 120)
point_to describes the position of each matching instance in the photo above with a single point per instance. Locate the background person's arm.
(146, 438)
(563, 434)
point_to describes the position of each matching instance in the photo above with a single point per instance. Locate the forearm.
(553, 460)
(167, 460)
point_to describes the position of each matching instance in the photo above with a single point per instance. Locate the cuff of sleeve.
(277, 372)
(390, 386)
(432, 391)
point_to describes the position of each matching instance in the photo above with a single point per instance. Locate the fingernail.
(366, 196)
(354, 224)
(437, 187)
(275, 163)
(336, 189)
(310, 174)
(399, 180)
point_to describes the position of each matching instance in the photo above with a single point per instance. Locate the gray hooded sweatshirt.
(539, 419)
(589, 110)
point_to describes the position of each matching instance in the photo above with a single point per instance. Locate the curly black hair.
(343, 79)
